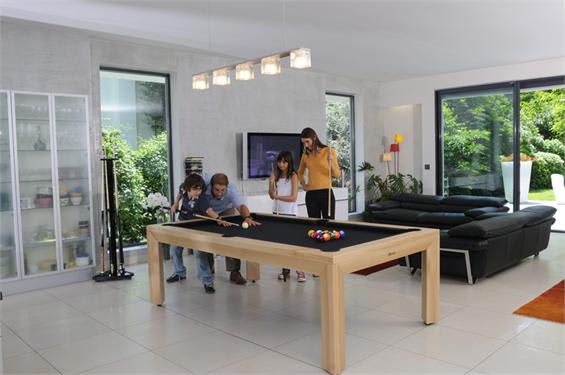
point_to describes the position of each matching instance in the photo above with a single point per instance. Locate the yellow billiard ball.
(244, 225)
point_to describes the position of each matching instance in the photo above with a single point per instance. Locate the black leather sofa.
(489, 240)
(434, 211)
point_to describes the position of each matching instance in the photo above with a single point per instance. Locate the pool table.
(283, 241)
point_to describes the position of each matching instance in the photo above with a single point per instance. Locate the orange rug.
(548, 306)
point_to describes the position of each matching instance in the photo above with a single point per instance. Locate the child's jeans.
(178, 264)
(205, 264)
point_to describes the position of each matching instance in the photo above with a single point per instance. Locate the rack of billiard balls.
(325, 235)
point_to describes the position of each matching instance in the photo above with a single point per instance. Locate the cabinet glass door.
(73, 174)
(33, 155)
(8, 263)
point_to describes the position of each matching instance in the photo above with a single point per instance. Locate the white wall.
(421, 92)
(204, 123)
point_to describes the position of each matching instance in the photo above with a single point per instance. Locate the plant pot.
(507, 179)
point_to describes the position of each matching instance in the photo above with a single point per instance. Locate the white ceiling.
(376, 40)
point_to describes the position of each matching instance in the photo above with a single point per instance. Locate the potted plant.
(383, 188)
(507, 164)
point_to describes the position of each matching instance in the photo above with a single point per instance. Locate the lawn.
(541, 195)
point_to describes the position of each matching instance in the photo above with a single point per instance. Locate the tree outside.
(478, 132)
(339, 124)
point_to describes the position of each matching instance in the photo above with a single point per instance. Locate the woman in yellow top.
(317, 158)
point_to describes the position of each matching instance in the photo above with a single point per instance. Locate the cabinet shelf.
(31, 119)
(60, 179)
(50, 207)
(72, 240)
(36, 244)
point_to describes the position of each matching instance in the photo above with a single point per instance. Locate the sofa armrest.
(489, 228)
(383, 205)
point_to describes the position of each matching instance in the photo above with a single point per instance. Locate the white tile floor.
(273, 328)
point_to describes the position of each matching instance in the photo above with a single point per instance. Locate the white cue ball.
(244, 225)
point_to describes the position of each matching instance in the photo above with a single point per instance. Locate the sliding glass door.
(504, 140)
(477, 141)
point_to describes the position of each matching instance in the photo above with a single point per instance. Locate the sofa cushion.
(443, 219)
(397, 214)
(418, 198)
(473, 201)
(476, 212)
(451, 208)
(489, 228)
(538, 214)
(492, 214)
(384, 205)
(420, 206)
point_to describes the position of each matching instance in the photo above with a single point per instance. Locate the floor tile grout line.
(489, 356)
(430, 357)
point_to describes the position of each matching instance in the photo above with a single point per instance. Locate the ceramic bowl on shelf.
(82, 261)
(44, 202)
(76, 199)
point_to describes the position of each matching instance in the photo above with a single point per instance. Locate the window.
(503, 140)
(340, 125)
(135, 129)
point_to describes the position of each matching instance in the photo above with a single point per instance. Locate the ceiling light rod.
(254, 61)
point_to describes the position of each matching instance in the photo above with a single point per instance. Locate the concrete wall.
(46, 58)
(421, 92)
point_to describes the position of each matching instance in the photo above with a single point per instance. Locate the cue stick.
(330, 180)
(275, 189)
(216, 220)
(104, 217)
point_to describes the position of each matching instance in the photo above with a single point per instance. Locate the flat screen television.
(260, 152)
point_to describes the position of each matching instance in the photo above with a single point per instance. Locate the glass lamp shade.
(200, 81)
(271, 65)
(244, 72)
(221, 77)
(300, 58)
(387, 156)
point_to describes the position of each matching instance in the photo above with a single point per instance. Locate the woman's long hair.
(286, 156)
(311, 133)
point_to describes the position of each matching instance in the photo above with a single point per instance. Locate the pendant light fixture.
(300, 58)
(244, 71)
(221, 77)
(271, 65)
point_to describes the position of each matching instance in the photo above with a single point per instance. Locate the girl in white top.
(283, 189)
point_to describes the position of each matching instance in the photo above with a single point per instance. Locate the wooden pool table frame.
(330, 266)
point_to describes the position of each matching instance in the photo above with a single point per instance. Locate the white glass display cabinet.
(47, 171)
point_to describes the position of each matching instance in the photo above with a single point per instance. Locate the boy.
(188, 202)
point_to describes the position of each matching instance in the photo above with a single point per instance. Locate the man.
(225, 200)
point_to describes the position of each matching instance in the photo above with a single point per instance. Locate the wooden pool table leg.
(155, 266)
(430, 282)
(253, 271)
(333, 319)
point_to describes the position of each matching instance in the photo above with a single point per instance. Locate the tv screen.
(263, 148)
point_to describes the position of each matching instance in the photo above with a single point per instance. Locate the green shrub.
(152, 159)
(139, 172)
(545, 164)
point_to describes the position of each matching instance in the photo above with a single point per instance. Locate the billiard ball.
(244, 225)
(310, 232)
(341, 234)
